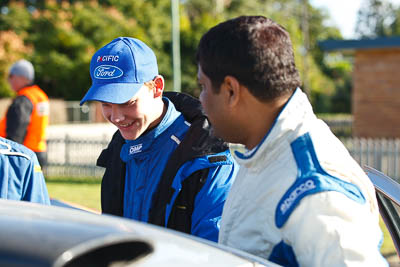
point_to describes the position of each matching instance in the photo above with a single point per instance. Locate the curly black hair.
(255, 50)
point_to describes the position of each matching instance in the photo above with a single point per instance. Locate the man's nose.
(117, 114)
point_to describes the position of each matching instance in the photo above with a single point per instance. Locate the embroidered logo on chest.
(135, 149)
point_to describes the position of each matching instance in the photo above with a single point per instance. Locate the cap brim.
(115, 93)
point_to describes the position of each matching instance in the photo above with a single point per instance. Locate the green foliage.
(12, 46)
(63, 35)
(63, 55)
(18, 19)
(376, 18)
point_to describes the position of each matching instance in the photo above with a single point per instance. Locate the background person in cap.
(299, 198)
(162, 165)
(27, 118)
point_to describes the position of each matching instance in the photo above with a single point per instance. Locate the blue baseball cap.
(119, 69)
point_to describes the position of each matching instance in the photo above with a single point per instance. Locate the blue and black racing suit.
(176, 175)
(21, 177)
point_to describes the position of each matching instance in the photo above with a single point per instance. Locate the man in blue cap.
(163, 166)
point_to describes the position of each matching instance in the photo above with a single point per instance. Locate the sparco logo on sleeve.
(298, 191)
(107, 72)
(135, 149)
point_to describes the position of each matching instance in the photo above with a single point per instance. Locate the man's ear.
(159, 85)
(231, 88)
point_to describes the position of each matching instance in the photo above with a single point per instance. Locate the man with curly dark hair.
(299, 198)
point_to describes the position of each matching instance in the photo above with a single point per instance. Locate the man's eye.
(131, 103)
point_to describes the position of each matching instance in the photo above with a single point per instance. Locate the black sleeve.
(113, 182)
(18, 118)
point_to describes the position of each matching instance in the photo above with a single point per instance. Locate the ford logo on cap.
(107, 72)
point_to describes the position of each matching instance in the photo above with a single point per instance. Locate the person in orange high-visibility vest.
(27, 117)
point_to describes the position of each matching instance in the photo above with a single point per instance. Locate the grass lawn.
(81, 191)
(388, 250)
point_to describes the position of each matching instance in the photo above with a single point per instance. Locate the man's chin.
(225, 138)
(216, 133)
(129, 136)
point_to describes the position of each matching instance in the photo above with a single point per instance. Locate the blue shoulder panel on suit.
(311, 179)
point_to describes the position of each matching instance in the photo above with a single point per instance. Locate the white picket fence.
(73, 149)
(381, 154)
(76, 157)
(71, 157)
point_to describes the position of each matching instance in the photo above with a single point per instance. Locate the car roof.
(38, 235)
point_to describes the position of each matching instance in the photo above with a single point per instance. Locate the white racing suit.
(300, 199)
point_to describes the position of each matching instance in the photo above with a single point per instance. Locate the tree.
(199, 16)
(12, 48)
(63, 38)
(60, 37)
(375, 18)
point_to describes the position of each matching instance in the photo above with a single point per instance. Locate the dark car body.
(38, 235)
(388, 197)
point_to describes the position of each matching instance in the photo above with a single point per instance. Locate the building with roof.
(376, 84)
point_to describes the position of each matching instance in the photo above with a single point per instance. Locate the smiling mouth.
(127, 125)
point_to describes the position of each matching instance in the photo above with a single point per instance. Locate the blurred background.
(59, 37)
(348, 54)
